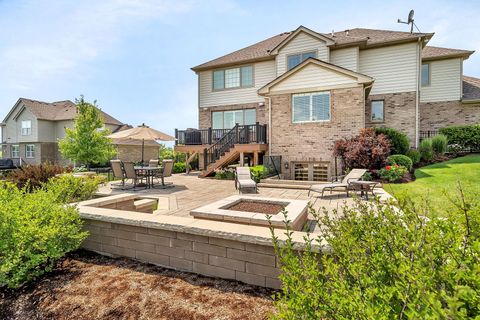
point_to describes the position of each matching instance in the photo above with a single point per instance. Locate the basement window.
(378, 111)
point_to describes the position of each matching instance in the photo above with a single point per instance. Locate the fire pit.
(253, 210)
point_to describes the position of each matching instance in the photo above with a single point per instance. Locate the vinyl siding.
(300, 44)
(445, 81)
(46, 131)
(263, 73)
(346, 58)
(60, 128)
(13, 127)
(313, 77)
(394, 68)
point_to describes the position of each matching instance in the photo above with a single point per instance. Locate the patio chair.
(243, 180)
(117, 169)
(130, 173)
(165, 173)
(153, 163)
(355, 174)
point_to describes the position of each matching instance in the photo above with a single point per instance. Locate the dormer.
(300, 45)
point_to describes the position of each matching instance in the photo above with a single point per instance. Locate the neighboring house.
(31, 130)
(307, 89)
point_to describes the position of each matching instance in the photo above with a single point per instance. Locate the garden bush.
(439, 144)
(34, 176)
(414, 155)
(367, 150)
(401, 160)
(36, 229)
(259, 172)
(225, 174)
(379, 264)
(426, 150)
(393, 173)
(179, 167)
(399, 142)
(467, 136)
(68, 188)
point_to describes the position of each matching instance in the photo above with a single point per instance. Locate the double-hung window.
(30, 151)
(15, 148)
(241, 77)
(295, 59)
(311, 107)
(26, 127)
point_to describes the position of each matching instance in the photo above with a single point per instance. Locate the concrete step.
(283, 186)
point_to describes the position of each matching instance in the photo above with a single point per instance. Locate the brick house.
(31, 130)
(294, 94)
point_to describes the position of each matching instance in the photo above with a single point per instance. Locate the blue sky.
(134, 57)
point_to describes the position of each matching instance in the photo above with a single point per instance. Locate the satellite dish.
(409, 21)
(410, 16)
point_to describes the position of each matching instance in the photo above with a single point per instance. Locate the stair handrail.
(223, 145)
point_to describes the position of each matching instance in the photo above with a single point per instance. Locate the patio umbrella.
(143, 133)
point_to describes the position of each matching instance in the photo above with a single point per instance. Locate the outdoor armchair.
(243, 179)
(153, 163)
(118, 173)
(131, 173)
(167, 169)
(353, 175)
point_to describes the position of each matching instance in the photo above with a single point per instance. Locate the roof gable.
(328, 41)
(314, 74)
(437, 53)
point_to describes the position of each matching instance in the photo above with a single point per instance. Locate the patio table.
(149, 173)
(364, 187)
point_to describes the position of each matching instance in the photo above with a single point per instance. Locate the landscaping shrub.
(439, 144)
(401, 160)
(426, 150)
(259, 172)
(225, 174)
(179, 167)
(68, 188)
(379, 264)
(399, 142)
(467, 136)
(367, 176)
(35, 175)
(393, 173)
(414, 155)
(367, 150)
(454, 149)
(36, 229)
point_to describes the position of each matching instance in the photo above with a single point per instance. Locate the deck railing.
(254, 133)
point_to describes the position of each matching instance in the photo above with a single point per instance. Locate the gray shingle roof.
(60, 110)
(430, 52)
(261, 50)
(471, 88)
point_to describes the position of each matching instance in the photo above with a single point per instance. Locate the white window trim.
(301, 55)
(429, 75)
(313, 121)
(28, 129)
(18, 150)
(240, 80)
(32, 156)
(371, 113)
(234, 110)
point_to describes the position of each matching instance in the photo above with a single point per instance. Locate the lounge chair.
(354, 174)
(165, 173)
(243, 180)
(118, 173)
(131, 173)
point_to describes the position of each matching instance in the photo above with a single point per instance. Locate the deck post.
(242, 159)
(257, 131)
(176, 136)
(255, 158)
(210, 135)
(236, 133)
(205, 160)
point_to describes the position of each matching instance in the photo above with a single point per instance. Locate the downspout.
(269, 126)
(417, 94)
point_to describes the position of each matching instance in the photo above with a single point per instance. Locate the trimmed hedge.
(467, 136)
(401, 160)
(398, 140)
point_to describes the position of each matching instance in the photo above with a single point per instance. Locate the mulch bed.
(257, 206)
(89, 286)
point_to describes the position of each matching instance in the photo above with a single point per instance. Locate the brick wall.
(436, 115)
(133, 153)
(314, 141)
(207, 255)
(205, 114)
(399, 112)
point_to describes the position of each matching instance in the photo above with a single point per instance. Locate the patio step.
(284, 186)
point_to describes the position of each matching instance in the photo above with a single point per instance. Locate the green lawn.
(438, 181)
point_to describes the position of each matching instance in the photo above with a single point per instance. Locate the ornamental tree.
(87, 142)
